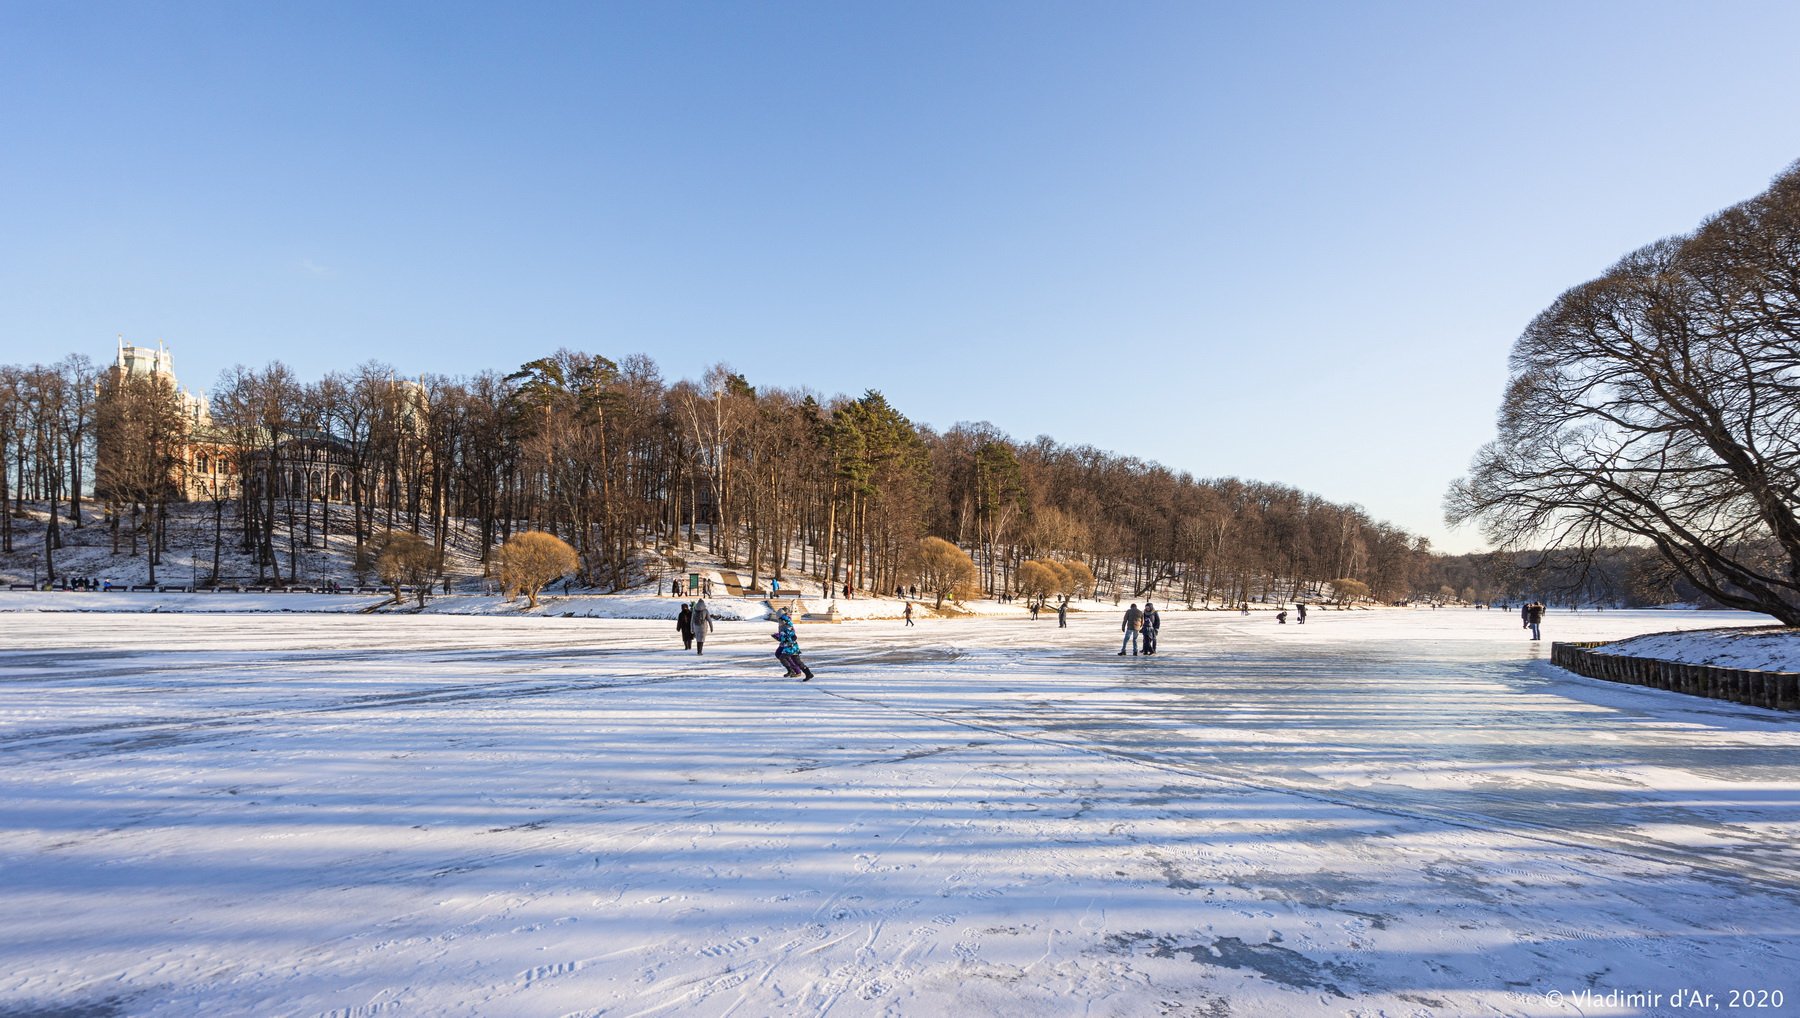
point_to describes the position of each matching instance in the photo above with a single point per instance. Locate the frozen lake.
(1396, 812)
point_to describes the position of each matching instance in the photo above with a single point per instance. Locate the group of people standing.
(694, 622)
(1145, 624)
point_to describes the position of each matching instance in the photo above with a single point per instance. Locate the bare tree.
(1660, 403)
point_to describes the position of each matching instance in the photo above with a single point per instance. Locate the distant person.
(908, 615)
(1033, 607)
(774, 588)
(1300, 613)
(1133, 623)
(1244, 609)
(1062, 614)
(1534, 617)
(684, 624)
(1281, 617)
(787, 648)
(701, 623)
(1152, 627)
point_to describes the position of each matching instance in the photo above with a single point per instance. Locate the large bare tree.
(1660, 404)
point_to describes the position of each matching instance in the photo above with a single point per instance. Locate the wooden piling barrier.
(1771, 690)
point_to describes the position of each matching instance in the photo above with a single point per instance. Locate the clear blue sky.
(1291, 242)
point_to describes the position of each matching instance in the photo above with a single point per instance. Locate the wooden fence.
(1775, 690)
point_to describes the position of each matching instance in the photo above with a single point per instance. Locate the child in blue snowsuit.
(787, 647)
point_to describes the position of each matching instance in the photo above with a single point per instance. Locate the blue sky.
(1291, 242)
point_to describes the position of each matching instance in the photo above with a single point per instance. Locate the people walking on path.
(684, 624)
(909, 620)
(1152, 627)
(1300, 611)
(1133, 623)
(787, 648)
(1534, 617)
(1062, 614)
(701, 623)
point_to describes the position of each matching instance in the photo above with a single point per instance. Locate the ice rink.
(1382, 812)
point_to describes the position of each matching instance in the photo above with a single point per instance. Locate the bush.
(531, 560)
(403, 559)
(942, 568)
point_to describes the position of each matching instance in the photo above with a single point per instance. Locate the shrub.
(531, 560)
(941, 568)
(402, 559)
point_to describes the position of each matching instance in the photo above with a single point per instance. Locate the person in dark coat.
(1152, 627)
(1134, 621)
(701, 623)
(684, 624)
(909, 618)
(1062, 614)
(1534, 617)
(1300, 612)
(1281, 616)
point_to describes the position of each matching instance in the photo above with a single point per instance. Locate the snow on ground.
(1400, 813)
(1774, 650)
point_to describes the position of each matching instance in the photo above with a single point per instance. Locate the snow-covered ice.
(1399, 812)
(1774, 650)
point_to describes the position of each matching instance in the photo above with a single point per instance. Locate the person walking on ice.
(684, 624)
(701, 623)
(1134, 621)
(908, 614)
(1300, 613)
(1534, 617)
(1152, 627)
(787, 647)
(1062, 613)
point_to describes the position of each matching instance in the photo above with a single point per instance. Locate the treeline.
(612, 458)
(1622, 576)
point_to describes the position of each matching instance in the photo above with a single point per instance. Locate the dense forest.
(612, 458)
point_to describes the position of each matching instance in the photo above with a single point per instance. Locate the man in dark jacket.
(684, 624)
(1152, 627)
(1134, 621)
(1534, 617)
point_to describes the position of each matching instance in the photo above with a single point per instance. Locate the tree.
(531, 560)
(1080, 578)
(942, 568)
(406, 559)
(1348, 590)
(142, 434)
(1037, 579)
(1660, 404)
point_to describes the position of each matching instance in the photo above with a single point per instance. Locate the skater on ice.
(1134, 621)
(1534, 617)
(787, 648)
